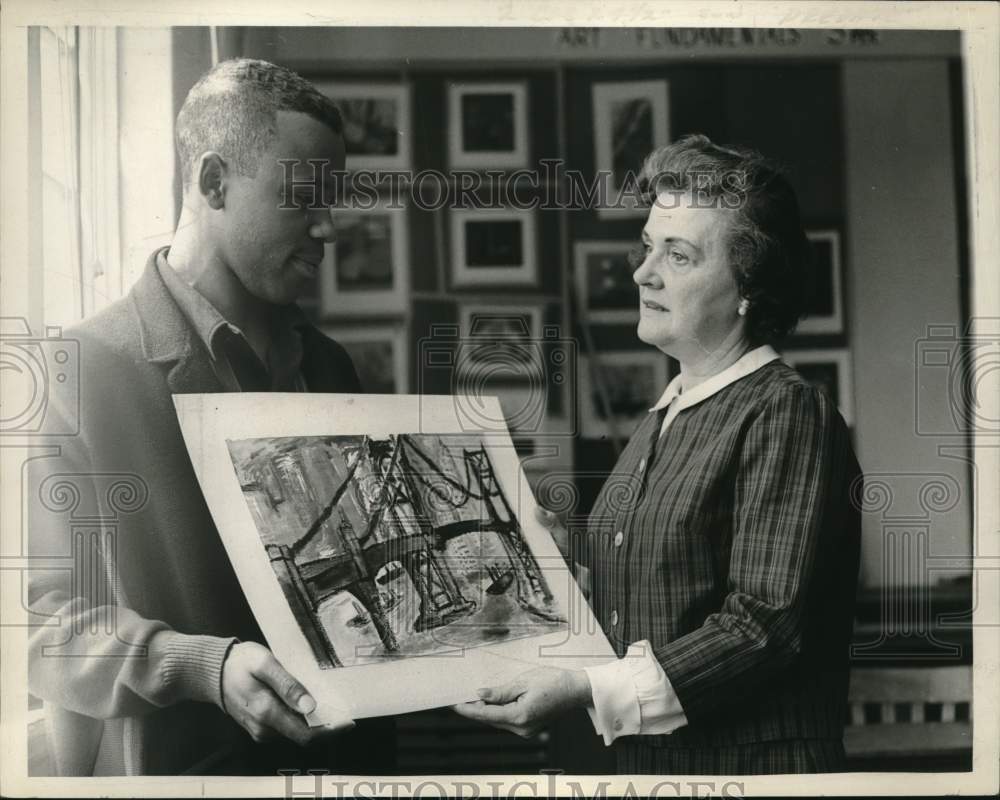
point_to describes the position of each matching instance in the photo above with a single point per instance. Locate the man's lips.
(306, 266)
(653, 306)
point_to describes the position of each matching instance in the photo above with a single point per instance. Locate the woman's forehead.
(682, 215)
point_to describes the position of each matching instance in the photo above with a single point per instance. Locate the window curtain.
(100, 238)
(74, 157)
(56, 102)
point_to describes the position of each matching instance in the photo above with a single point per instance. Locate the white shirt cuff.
(633, 696)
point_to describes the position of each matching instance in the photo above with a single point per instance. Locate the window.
(73, 172)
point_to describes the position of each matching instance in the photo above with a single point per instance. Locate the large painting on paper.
(387, 545)
(395, 546)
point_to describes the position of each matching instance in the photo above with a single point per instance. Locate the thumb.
(499, 695)
(285, 686)
(546, 517)
(555, 528)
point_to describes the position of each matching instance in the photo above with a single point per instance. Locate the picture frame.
(366, 271)
(633, 382)
(500, 353)
(377, 130)
(631, 119)
(493, 247)
(488, 124)
(518, 324)
(830, 370)
(606, 292)
(826, 312)
(379, 354)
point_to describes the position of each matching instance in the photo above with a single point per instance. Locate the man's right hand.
(260, 695)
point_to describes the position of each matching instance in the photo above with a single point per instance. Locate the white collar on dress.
(749, 362)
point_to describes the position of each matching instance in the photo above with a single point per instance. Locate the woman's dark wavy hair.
(768, 249)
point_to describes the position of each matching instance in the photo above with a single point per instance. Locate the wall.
(146, 122)
(904, 275)
(864, 120)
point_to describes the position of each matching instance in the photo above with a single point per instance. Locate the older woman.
(726, 585)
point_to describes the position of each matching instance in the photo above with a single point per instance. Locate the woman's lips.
(653, 306)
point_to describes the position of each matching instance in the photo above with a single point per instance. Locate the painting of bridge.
(393, 547)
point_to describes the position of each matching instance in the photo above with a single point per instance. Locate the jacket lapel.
(167, 337)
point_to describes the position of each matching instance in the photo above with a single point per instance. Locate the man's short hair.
(233, 110)
(768, 249)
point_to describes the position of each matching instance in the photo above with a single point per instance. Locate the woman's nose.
(323, 227)
(644, 274)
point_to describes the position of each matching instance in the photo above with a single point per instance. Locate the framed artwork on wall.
(378, 353)
(825, 313)
(488, 125)
(631, 119)
(493, 247)
(630, 380)
(604, 285)
(500, 341)
(500, 322)
(366, 271)
(830, 370)
(376, 123)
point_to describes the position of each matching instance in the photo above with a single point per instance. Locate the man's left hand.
(531, 701)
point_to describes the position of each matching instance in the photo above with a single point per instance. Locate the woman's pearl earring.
(744, 305)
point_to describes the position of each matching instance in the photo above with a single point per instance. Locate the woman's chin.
(653, 335)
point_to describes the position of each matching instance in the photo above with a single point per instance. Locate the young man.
(156, 665)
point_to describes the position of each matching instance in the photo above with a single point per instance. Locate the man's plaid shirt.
(737, 560)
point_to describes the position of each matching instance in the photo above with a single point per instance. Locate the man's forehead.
(300, 137)
(313, 170)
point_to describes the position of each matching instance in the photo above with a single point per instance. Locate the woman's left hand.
(531, 701)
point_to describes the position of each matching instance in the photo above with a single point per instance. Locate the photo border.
(484, 159)
(603, 94)
(394, 333)
(371, 302)
(400, 93)
(834, 323)
(840, 356)
(591, 425)
(581, 251)
(512, 275)
(978, 26)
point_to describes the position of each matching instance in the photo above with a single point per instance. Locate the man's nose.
(323, 226)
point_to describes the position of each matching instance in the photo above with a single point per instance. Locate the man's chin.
(285, 295)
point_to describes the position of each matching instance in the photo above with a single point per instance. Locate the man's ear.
(212, 170)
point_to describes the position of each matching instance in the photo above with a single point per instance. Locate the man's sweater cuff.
(192, 665)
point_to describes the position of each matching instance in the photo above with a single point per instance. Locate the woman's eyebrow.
(682, 240)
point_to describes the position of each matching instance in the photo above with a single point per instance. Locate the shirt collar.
(205, 318)
(749, 362)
